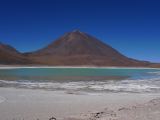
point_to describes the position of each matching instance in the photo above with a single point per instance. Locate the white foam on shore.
(152, 85)
(156, 73)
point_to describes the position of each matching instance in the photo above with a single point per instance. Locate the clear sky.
(130, 26)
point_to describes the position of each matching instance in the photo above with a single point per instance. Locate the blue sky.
(130, 26)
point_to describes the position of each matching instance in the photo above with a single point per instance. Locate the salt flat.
(32, 104)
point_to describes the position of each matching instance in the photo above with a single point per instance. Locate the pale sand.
(93, 67)
(33, 104)
(144, 111)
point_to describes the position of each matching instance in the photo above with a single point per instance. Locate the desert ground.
(27, 104)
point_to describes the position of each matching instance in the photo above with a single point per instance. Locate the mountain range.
(72, 49)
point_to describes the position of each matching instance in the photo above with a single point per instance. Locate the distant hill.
(9, 55)
(72, 49)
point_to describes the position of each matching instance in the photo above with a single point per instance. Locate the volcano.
(72, 49)
(79, 48)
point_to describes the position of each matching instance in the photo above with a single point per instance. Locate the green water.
(62, 73)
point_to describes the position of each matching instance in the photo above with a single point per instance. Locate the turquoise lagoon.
(137, 80)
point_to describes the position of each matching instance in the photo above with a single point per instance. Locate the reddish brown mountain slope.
(77, 48)
(9, 55)
(74, 48)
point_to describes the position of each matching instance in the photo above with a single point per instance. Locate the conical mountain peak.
(73, 48)
(78, 43)
(76, 33)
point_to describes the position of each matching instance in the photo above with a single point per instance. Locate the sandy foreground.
(19, 104)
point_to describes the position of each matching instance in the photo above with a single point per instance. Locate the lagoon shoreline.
(96, 67)
(25, 99)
